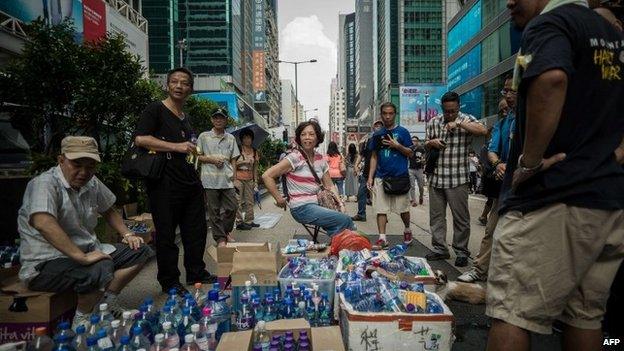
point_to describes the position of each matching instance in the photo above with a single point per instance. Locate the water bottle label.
(212, 328)
(105, 343)
(172, 342)
(366, 254)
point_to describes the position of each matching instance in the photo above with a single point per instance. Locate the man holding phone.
(451, 133)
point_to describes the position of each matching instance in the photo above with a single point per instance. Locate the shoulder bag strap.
(316, 177)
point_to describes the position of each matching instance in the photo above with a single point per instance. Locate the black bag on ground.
(396, 185)
(140, 163)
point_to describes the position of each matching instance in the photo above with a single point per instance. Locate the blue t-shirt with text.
(391, 162)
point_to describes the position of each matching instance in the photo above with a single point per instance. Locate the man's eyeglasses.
(508, 91)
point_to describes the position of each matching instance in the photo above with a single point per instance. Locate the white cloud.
(304, 39)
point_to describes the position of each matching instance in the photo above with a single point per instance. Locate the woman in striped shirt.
(302, 188)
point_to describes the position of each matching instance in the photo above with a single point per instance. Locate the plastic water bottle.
(388, 295)
(324, 309)
(159, 343)
(261, 337)
(105, 316)
(221, 312)
(270, 311)
(174, 299)
(205, 341)
(41, 342)
(300, 309)
(139, 341)
(93, 326)
(189, 343)
(172, 339)
(433, 306)
(288, 312)
(248, 291)
(184, 327)
(116, 331)
(126, 322)
(92, 342)
(257, 310)
(63, 343)
(124, 344)
(311, 312)
(104, 342)
(199, 294)
(370, 303)
(245, 319)
(144, 323)
(208, 326)
(65, 329)
(80, 341)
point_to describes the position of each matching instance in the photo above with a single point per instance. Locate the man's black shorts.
(62, 274)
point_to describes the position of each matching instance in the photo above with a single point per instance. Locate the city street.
(471, 323)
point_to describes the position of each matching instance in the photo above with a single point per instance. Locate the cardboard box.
(309, 254)
(7, 273)
(130, 210)
(23, 311)
(363, 331)
(259, 267)
(322, 339)
(224, 256)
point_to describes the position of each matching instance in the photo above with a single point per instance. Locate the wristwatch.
(529, 169)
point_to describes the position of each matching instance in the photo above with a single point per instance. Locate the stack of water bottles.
(309, 268)
(9, 255)
(263, 342)
(374, 292)
(300, 246)
(297, 302)
(191, 323)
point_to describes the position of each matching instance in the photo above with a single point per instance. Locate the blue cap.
(92, 341)
(173, 291)
(149, 301)
(81, 329)
(186, 311)
(143, 308)
(94, 319)
(216, 286)
(64, 325)
(59, 339)
(213, 295)
(101, 333)
(125, 340)
(137, 330)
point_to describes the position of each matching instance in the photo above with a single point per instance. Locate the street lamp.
(182, 46)
(296, 86)
(426, 107)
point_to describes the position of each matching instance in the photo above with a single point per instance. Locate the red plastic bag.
(349, 240)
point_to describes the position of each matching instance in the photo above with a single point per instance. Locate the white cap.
(159, 337)
(261, 324)
(167, 325)
(115, 323)
(247, 283)
(195, 328)
(126, 314)
(189, 338)
(302, 304)
(103, 307)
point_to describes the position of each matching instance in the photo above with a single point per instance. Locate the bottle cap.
(101, 333)
(126, 315)
(91, 341)
(198, 285)
(261, 324)
(194, 328)
(103, 307)
(64, 325)
(206, 311)
(166, 325)
(41, 331)
(189, 338)
(159, 337)
(95, 319)
(125, 340)
(115, 323)
(81, 329)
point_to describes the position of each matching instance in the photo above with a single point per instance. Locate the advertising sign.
(418, 104)
(466, 67)
(51, 11)
(470, 102)
(134, 37)
(259, 78)
(94, 18)
(259, 37)
(465, 29)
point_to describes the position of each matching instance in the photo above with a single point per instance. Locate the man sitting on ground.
(59, 249)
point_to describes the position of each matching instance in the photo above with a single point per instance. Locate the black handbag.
(140, 163)
(396, 185)
(432, 160)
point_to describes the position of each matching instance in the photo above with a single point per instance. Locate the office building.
(162, 17)
(364, 71)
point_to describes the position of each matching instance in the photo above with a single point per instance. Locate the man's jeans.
(361, 197)
(331, 221)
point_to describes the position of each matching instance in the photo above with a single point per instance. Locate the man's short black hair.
(450, 96)
(320, 136)
(183, 70)
(387, 104)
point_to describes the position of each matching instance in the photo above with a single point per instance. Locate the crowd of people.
(551, 170)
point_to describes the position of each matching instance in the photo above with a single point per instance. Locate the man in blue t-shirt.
(389, 161)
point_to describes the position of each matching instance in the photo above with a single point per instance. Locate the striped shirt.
(453, 165)
(302, 188)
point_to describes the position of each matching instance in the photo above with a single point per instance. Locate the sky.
(308, 29)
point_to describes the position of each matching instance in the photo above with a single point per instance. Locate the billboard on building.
(258, 63)
(134, 37)
(418, 104)
(94, 19)
(51, 11)
(465, 68)
(464, 30)
(259, 36)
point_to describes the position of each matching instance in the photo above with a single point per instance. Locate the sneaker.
(407, 236)
(482, 220)
(180, 289)
(461, 261)
(470, 276)
(254, 225)
(243, 226)
(358, 218)
(434, 256)
(205, 278)
(380, 244)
